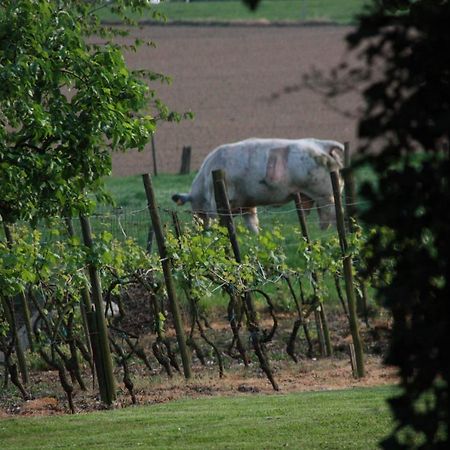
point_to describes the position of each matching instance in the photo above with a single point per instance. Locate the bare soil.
(154, 386)
(308, 375)
(240, 81)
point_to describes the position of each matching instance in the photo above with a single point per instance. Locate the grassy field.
(128, 192)
(342, 11)
(350, 419)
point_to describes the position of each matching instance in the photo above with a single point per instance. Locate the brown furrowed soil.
(241, 82)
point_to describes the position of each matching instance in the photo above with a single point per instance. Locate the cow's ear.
(337, 154)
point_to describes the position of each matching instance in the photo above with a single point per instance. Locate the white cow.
(267, 172)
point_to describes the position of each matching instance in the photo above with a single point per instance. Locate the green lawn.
(342, 11)
(350, 419)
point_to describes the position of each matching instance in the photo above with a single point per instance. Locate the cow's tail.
(181, 199)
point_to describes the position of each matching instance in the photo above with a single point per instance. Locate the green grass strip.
(342, 11)
(349, 419)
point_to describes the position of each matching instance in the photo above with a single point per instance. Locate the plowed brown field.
(240, 81)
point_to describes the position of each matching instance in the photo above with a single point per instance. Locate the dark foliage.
(252, 4)
(405, 54)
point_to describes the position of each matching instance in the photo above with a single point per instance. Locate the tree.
(404, 73)
(65, 102)
(404, 48)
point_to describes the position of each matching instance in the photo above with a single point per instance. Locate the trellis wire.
(123, 223)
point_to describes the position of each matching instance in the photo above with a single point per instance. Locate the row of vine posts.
(98, 340)
(226, 220)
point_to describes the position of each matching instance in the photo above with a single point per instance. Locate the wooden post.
(85, 304)
(226, 219)
(351, 349)
(155, 165)
(91, 318)
(349, 188)
(351, 213)
(224, 211)
(103, 361)
(348, 276)
(323, 332)
(150, 236)
(185, 160)
(166, 265)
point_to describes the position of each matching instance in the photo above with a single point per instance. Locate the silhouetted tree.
(403, 48)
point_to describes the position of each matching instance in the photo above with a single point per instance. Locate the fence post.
(348, 275)
(155, 165)
(85, 304)
(185, 160)
(166, 265)
(320, 316)
(224, 211)
(226, 219)
(150, 236)
(351, 213)
(349, 187)
(102, 359)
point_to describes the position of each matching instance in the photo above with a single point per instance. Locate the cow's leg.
(251, 219)
(307, 203)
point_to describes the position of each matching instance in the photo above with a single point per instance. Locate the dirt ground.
(240, 81)
(309, 375)
(154, 386)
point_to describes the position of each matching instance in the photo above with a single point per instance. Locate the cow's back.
(262, 171)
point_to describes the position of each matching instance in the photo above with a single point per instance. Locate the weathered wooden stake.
(185, 160)
(150, 237)
(226, 219)
(224, 211)
(155, 165)
(349, 188)
(103, 361)
(348, 275)
(323, 332)
(167, 266)
(351, 213)
(85, 304)
(353, 363)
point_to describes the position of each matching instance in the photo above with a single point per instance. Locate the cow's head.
(181, 199)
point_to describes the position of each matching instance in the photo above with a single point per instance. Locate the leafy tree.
(404, 73)
(404, 48)
(65, 102)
